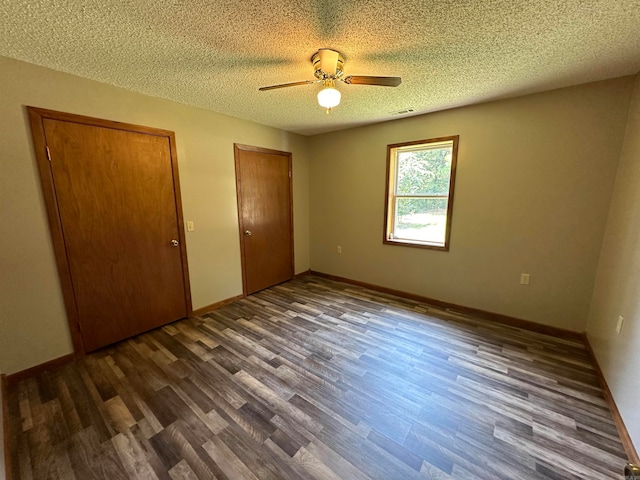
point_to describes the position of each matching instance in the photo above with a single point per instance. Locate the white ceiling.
(214, 54)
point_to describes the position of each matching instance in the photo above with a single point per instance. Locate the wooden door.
(115, 203)
(265, 211)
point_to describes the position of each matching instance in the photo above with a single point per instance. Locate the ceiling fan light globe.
(329, 97)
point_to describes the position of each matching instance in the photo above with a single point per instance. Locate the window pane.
(420, 180)
(421, 219)
(425, 172)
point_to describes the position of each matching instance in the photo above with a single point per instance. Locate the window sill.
(415, 244)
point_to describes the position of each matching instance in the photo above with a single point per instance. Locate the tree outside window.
(420, 181)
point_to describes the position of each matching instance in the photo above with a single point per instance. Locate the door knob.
(631, 472)
(247, 233)
(174, 243)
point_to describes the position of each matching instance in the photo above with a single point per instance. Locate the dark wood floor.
(319, 380)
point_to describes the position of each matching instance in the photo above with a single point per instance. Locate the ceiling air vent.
(403, 112)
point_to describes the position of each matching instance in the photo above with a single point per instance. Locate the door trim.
(237, 148)
(37, 117)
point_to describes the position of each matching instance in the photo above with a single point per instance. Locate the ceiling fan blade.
(328, 60)
(368, 80)
(283, 85)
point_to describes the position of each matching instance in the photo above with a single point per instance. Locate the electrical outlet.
(338, 249)
(524, 278)
(620, 324)
(190, 227)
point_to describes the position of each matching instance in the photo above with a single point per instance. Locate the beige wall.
(535, 176)
(617, 289)
(33, 325)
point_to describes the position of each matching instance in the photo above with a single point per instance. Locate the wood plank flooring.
(315, 379)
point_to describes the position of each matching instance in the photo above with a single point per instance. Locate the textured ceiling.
(214, 54)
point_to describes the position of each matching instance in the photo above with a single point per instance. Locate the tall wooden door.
(116, 221)
(265, 211)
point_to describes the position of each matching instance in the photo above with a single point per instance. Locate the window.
(420, 180)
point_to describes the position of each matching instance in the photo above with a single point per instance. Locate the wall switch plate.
(620, 324)
(338, 249)
(524, 278)
(190, 227)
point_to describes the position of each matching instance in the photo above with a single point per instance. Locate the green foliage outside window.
(420, 179)
(425, 172)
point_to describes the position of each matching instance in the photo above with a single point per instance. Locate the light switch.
(190, 227)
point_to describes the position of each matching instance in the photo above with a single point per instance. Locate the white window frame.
(391, 195)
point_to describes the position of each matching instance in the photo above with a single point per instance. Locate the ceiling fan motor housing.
(327, 63)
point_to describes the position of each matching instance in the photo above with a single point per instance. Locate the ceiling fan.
(328, 66)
